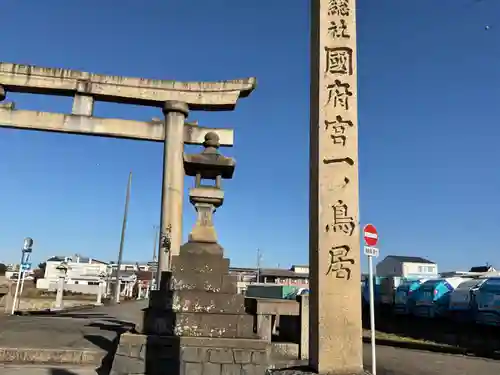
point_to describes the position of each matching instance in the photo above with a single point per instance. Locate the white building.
(406, 266)
(130, 266)
(83, 274)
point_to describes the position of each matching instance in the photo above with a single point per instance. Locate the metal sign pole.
(370, 236)
(372, 314)
(23, 277)
(17, 289)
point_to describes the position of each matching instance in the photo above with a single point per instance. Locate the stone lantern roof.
(209, 164)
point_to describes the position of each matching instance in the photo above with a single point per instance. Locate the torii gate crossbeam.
(175, 98)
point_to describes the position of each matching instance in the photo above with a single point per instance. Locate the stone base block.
(196, 301)
(199, 262)
(204, 281)
(214, 325)
(155, 355)
(197, 324)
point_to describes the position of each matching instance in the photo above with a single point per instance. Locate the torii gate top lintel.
(207, 96)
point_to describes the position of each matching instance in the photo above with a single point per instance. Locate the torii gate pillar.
(172, 194)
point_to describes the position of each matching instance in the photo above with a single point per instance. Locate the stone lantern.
(197, 310)
(209, 165)
(200, 297)
(62, 270)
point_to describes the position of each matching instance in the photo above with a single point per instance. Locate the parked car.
(404, 299)
(488, 302)
(463, 304)
(433, 296)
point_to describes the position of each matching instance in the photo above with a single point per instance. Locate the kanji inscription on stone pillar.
(335, 345)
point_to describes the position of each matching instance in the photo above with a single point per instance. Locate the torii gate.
(175, 98)
(335, 345)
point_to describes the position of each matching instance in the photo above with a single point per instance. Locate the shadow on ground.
(466, 338)
(60, 371)
(109, 345)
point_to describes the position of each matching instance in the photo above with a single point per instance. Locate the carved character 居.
(340, 263)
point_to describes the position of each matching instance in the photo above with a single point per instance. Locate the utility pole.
(122, 240)
(259, 259)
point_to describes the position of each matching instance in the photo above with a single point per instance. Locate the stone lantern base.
(196, 323)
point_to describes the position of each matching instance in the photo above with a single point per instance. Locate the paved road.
(86, 329)
(96, 329)
(392, 361)
(395, 361)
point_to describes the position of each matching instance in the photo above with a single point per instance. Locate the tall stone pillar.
(335, 345)
(173, 183)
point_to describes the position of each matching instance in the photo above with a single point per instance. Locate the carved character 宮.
(338, 129)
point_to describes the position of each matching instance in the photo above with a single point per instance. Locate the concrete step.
(47, 370)
(20, 356)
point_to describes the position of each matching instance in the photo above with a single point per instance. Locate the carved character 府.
(339, 94)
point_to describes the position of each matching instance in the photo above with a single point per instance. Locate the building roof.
(73, 258)
(408, 259)
(482, 269)
(278, 272)
(242, 269)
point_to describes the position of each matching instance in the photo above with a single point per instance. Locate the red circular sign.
(370, 235)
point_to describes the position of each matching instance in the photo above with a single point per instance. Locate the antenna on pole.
(259, 260)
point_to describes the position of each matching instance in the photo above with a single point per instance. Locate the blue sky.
(429, 89)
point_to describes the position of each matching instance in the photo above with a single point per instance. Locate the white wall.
(75, 270)
(130, 267)
(301, 269)
(410, 269)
